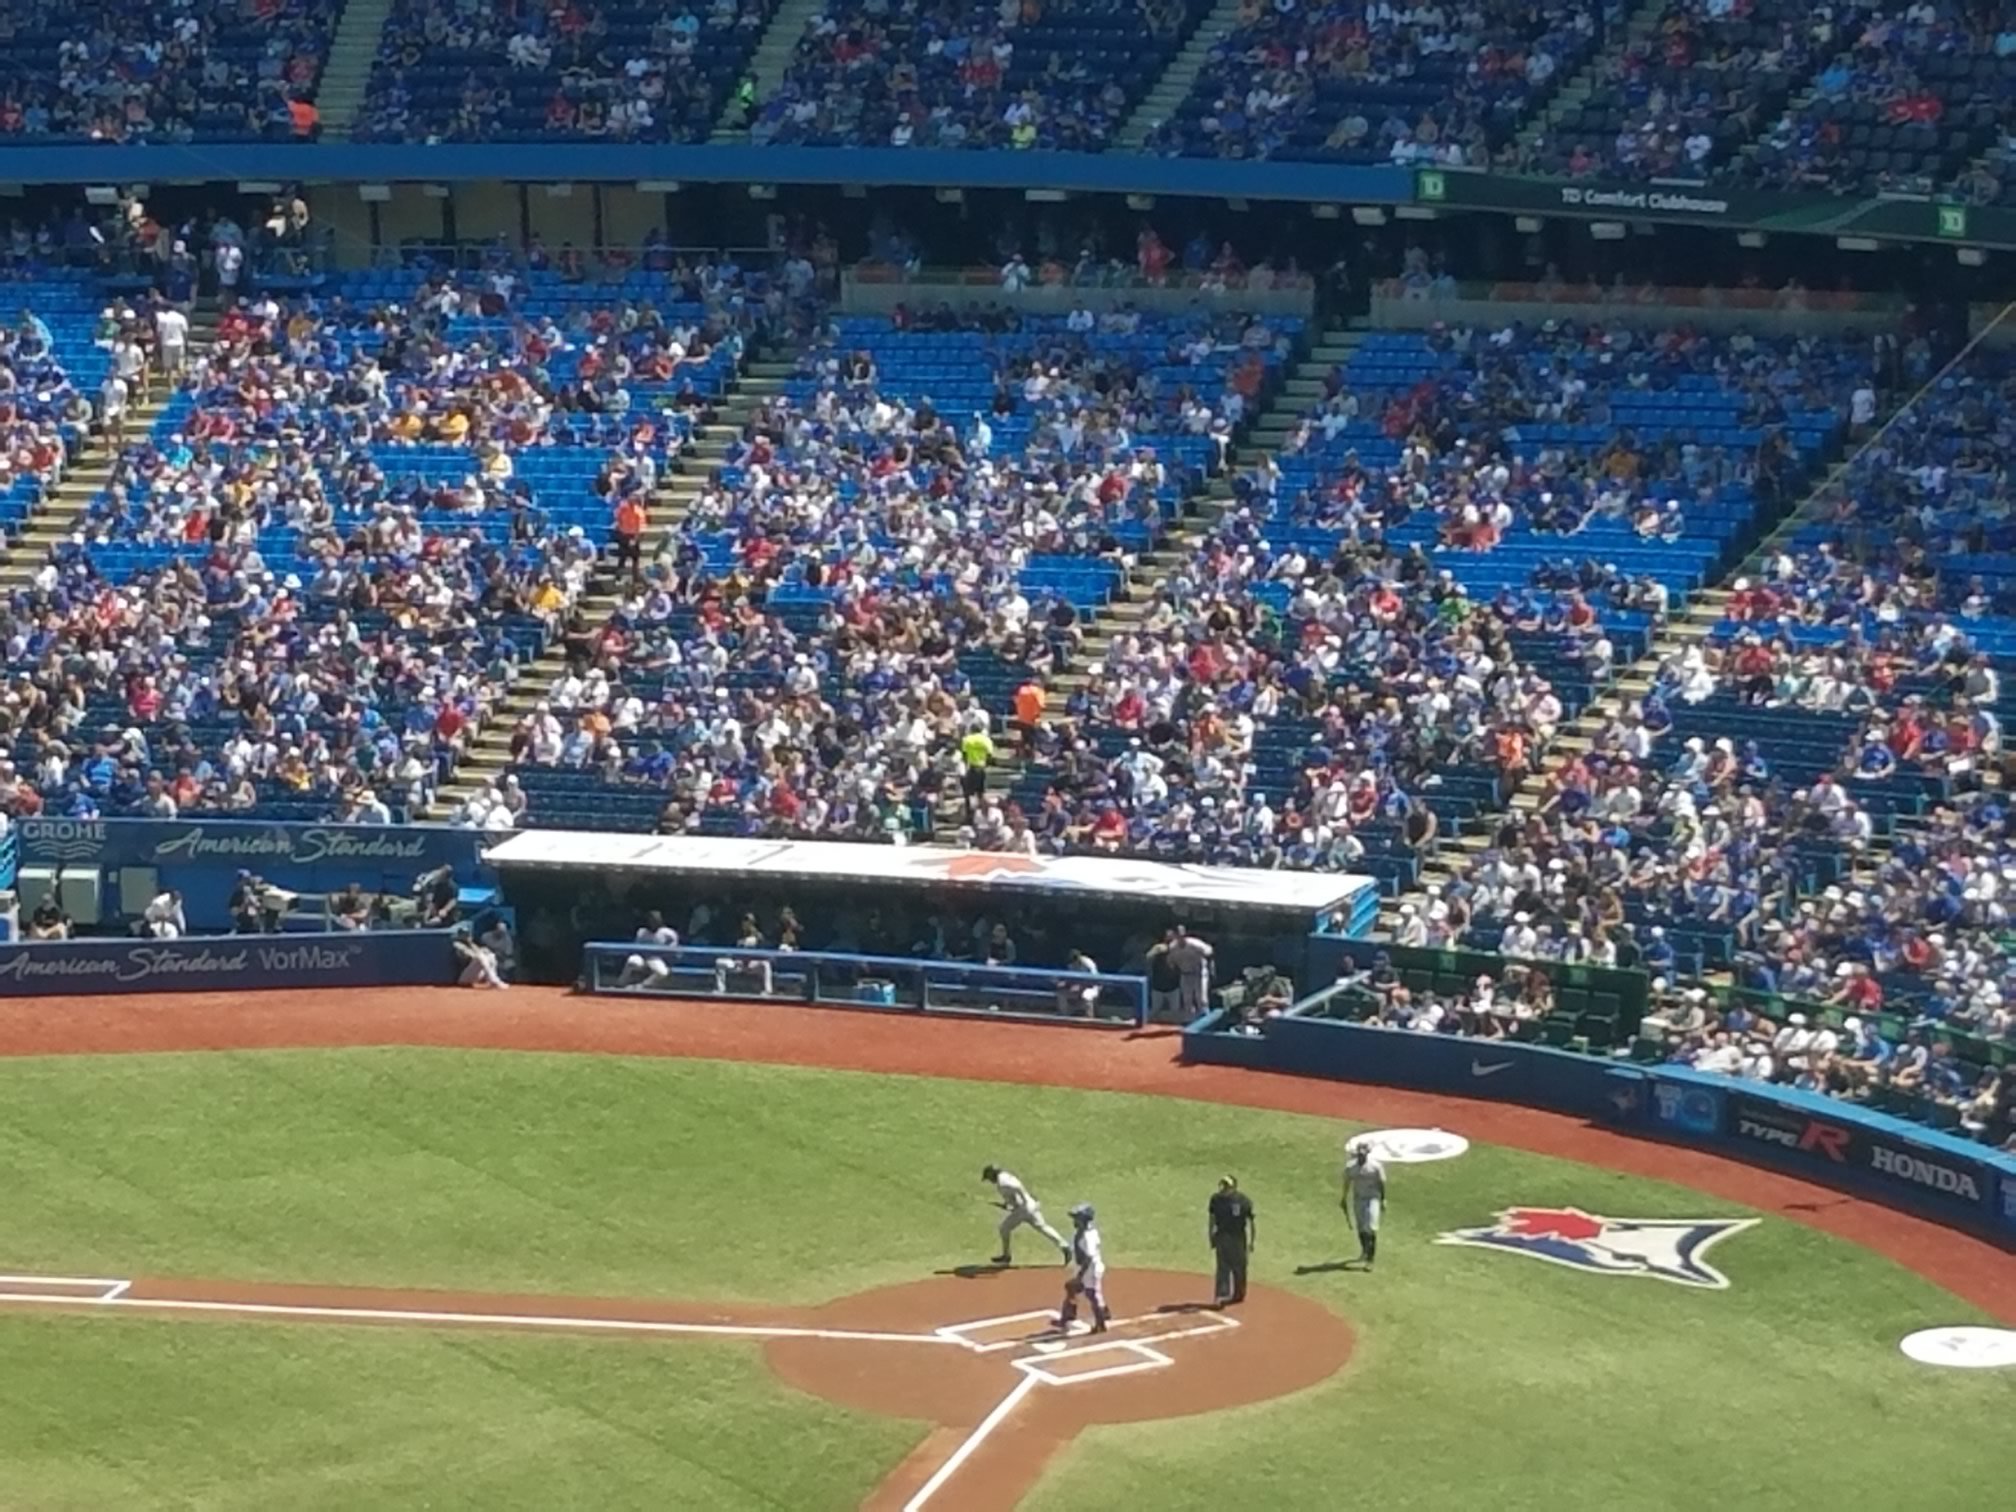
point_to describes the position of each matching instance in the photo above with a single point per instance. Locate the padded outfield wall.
(1906, 1165)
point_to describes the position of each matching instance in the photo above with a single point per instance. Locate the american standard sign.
(226, 842)
(157, 962)
(404, 957)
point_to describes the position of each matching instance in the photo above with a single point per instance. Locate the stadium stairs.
(489, 753)
(352, 52)
(1173, 88)
(768, 64)
(1299, 393)
(1641, 25)
(1694, 622)
(64, 503)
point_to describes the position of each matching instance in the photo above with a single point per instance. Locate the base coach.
(1234, 1232)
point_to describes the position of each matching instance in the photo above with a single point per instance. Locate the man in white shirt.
(230, 259)
(1019, 1209)
(112, 397)
(171, 331)
(164, 919)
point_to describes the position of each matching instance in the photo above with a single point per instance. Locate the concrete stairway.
(768, 64)
(1298, 394)
(347, 73)
(1572, 91)
(65, 502)
(1178, 79)
(489, 754)
(1693, 623)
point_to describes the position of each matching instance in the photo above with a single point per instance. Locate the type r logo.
(1827, 1139)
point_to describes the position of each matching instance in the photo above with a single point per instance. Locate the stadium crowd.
(1832, 1047)
(1355, 83)
(202, 70)
(800, 654)
(1058, 74)
(451, 70)
(352, 525)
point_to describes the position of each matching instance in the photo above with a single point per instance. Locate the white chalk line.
(120, 1299)
(972, 1442)
(1034, 1373)
(1145, 1358)
(956, 1333)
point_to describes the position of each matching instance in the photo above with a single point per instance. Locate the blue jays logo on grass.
(1665, 1249)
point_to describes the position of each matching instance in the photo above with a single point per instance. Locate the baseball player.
(1019, 1207)
(1088, 1279)
(1364, 1197)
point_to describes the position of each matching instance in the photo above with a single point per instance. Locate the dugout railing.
(886, 983)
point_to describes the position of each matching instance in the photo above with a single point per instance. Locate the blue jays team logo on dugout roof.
(1665, 1249)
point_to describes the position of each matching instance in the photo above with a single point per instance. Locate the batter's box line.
(957, 1333)
(1145, 1358)
(106, 1288)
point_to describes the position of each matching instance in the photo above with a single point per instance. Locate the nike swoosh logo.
(1478, 1068)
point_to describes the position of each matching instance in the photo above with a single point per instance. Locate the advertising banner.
(1686, 1109)
(1497, 1069)
(195, 964)
(1915, 218)
(1869, 1148)
(234, 843)
(1821, 1139)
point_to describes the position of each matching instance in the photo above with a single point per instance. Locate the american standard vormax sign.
(401, 957)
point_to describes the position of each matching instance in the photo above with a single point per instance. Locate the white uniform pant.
(1365, 1214)
(1029, 1217)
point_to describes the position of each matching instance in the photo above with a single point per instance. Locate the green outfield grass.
(1480, 1379)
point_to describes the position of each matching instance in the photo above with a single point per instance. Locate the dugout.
(571, 888)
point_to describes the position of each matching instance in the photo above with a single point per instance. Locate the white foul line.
(508, 1320)
(973, 1441)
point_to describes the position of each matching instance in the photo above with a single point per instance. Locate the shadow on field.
(976, 1272)
(1326, 1268)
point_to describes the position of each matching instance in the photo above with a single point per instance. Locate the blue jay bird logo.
(1663, 1249)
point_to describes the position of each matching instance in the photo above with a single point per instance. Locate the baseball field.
(360, 1274)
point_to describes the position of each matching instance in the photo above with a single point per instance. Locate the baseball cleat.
(1001, 1260)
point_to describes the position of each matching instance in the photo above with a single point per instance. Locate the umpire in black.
(1234, 1232)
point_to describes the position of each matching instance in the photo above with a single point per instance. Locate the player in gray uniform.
(1364, 1198)
(1088, 1273)
(1018, 1208)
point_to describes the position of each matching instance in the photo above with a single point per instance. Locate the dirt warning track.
(977, 1355)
